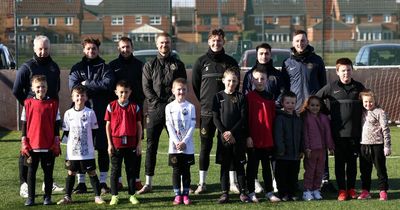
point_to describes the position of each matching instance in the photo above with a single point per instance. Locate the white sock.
(203, 177)
(103, 177)
(149, 180)
(81, 178)
(120, 179)
(232, 177)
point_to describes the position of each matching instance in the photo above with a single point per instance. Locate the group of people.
(277, 118)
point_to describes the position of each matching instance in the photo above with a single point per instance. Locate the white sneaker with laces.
(271, 197)
(234, 188)
(317, 195)
(23, 190)
(56, 187)
(257, 187)
(308, 196)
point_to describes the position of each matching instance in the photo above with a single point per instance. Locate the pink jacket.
(317, 132)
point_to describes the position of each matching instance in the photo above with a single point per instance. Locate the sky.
(182, 3)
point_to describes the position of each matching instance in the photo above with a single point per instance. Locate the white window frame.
(52, 21)
(20, 22)
(69, 38)
(258, 20)
(296, 20)
(35, 21)
(117, 20)
(349, 19)
(138, 19)
(69, 21)
(275, 20)
(155, 20)
(387, 18)
(116, 36)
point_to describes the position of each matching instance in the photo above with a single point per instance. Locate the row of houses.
(68, 21)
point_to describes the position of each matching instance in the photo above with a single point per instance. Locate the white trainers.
(253, 197)
(234, 188)
(317, 195)
(23, 190)
(308, 195)
(56, 187)
(201, 188)
(271, 197)
(257, 187)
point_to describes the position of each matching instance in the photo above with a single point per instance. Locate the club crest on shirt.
(185, 111)
(203, 131)
(172, 67)
(84, 118)
(310, 66)
(234, 100)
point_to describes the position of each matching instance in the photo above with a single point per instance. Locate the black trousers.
(232, 160)
(254, 157)
(23, 170)
(287, 176)
(181, 171)
(155, 125)
(326, 168)
(46, 160)
(346, 153)
(207, 132)
(128, 155)
(373, 155)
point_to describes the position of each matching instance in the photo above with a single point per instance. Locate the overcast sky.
(181, 3)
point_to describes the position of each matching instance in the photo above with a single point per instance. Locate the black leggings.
(46, 160)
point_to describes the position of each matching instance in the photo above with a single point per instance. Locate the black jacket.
(130, 70)
(47, 67)
(158, 75)
(345, 107)
(207, 78)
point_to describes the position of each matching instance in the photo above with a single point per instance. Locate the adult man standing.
(207, 81)
(40, 64)
(158, 75)
(129, 68)
(304, 71)
(96, 75)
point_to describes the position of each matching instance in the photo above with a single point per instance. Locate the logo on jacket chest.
(173, 67)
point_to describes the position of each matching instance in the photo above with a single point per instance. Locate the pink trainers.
(177, 200)
(364, 195)
(383, 195)
(186, 200)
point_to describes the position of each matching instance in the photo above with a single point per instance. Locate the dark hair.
(126, 39)
(91, 40)
(79, 89)
(297, 32)
(307, 103)
(124, 84)
(164, 34)
(263, 45)
(259, 70)
(343, 61)
(38, 78)
(288, 94)
(216, 32)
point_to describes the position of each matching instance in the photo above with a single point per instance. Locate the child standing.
(180, 118)
(345, 111)
(78, 126)
(288, 136)
(375, 145)
(260, 143)
(40, 140)
(229, 116)
(124, 132)
(317, 139)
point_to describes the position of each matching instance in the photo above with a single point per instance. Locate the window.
(349, 19)
(370, 18)
(225, 20)
(35, 21)
(387, 18)
(52, 21)
(69, 38)
(155, 20)
(69, 21)
(258, 20)
(275, 20)
(117, 20)
(19, 22)
(116, 36)
(206, 20)
(138, 19)
(296, 20)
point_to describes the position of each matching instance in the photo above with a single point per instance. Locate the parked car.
(6, 59)
(378, 55)
(146, 55)
(249, 58)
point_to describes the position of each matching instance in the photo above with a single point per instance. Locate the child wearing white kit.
(317, 138)
(180, 118)
(375, 146)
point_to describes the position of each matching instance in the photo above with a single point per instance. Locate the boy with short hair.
(345, 112)
(260, 143)
(124, 132)
(289, 144)
(78, 126)
(40, 137)
(180, 118)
